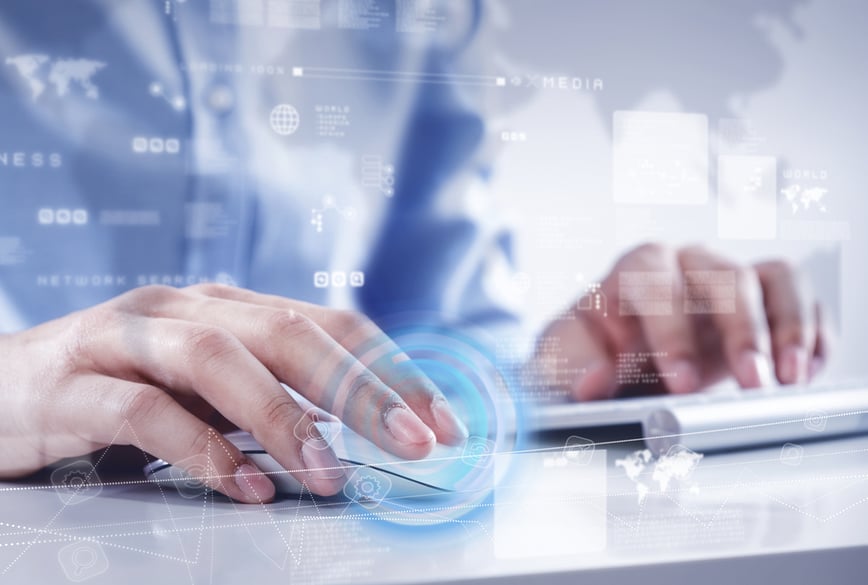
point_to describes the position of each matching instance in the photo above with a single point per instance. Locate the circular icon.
(367, 487)
(84, 559)
(317, 431)
(284, 119)
(188, 476)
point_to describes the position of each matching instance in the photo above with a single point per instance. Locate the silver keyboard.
(723, 419)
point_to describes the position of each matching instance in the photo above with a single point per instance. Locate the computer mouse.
(372, 474)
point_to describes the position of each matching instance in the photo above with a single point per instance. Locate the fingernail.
(448, 421)
(794, 365)
(255, 486)
(320, 462)
(685, 378)
(406, 427)
(754, 370)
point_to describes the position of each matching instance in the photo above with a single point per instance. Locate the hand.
(770, 323)
(160, 368)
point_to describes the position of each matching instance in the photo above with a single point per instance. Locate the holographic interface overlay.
(478, 391)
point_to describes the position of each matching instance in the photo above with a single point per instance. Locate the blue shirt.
(294, 147)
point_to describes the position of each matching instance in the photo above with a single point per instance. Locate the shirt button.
(221, 99)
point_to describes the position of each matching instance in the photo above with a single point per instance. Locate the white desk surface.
(735, 506)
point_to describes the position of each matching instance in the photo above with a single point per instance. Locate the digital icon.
(478, 452)
(321, 279)
(63, 74)
(188, 476)
(578, 450)
(803, 199)
(170, 8)
(156, 145)
(177, 102)
(816, 421)
(338, 279)
(313, 430)
(594, 299)
(284, 120)
(329, 204)
(225, 278)
(81, 561)
(791, 454)
(377, 175)
(61, 216)
(76, 482)
(367, 487)
(357, 279)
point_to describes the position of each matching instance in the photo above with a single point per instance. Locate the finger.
(210, 362)
(373, 349)
(818, 360)
(652, 272)
(744, 331)
(570, 357)
(791, 318)
(299, 353)
(147, 417)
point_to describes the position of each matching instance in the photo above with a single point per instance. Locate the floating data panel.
(660, 158)
(552, 503)
(747, 206)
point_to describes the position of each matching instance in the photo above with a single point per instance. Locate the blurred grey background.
(778, 78)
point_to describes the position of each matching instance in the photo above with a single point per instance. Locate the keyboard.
(723, 419)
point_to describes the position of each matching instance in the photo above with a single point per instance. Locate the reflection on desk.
(551, 512)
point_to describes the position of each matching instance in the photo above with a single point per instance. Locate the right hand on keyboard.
(769, 323)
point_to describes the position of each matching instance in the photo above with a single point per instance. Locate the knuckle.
(746, 278)
(81, 333)
(152, 294)
(280, 412)
(144, 300)
(208, 345)
(364, 388)
(348, 322)
(789, 330)
(209, 289)
(694, 250)
(653, 249)
(288, 325)
(141, 404)
(780, 269)
(205, 441)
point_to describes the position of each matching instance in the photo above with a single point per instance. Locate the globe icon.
(284, 119)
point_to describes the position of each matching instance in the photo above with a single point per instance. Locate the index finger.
(369, 345)
(300, 354)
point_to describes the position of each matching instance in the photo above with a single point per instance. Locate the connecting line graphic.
(554, 449)
(329, 204)
(388, 76)
(186, 560)
(732, 487)
(59, 512)
(47, 534)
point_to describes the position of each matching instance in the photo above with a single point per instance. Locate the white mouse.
(372, 474)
